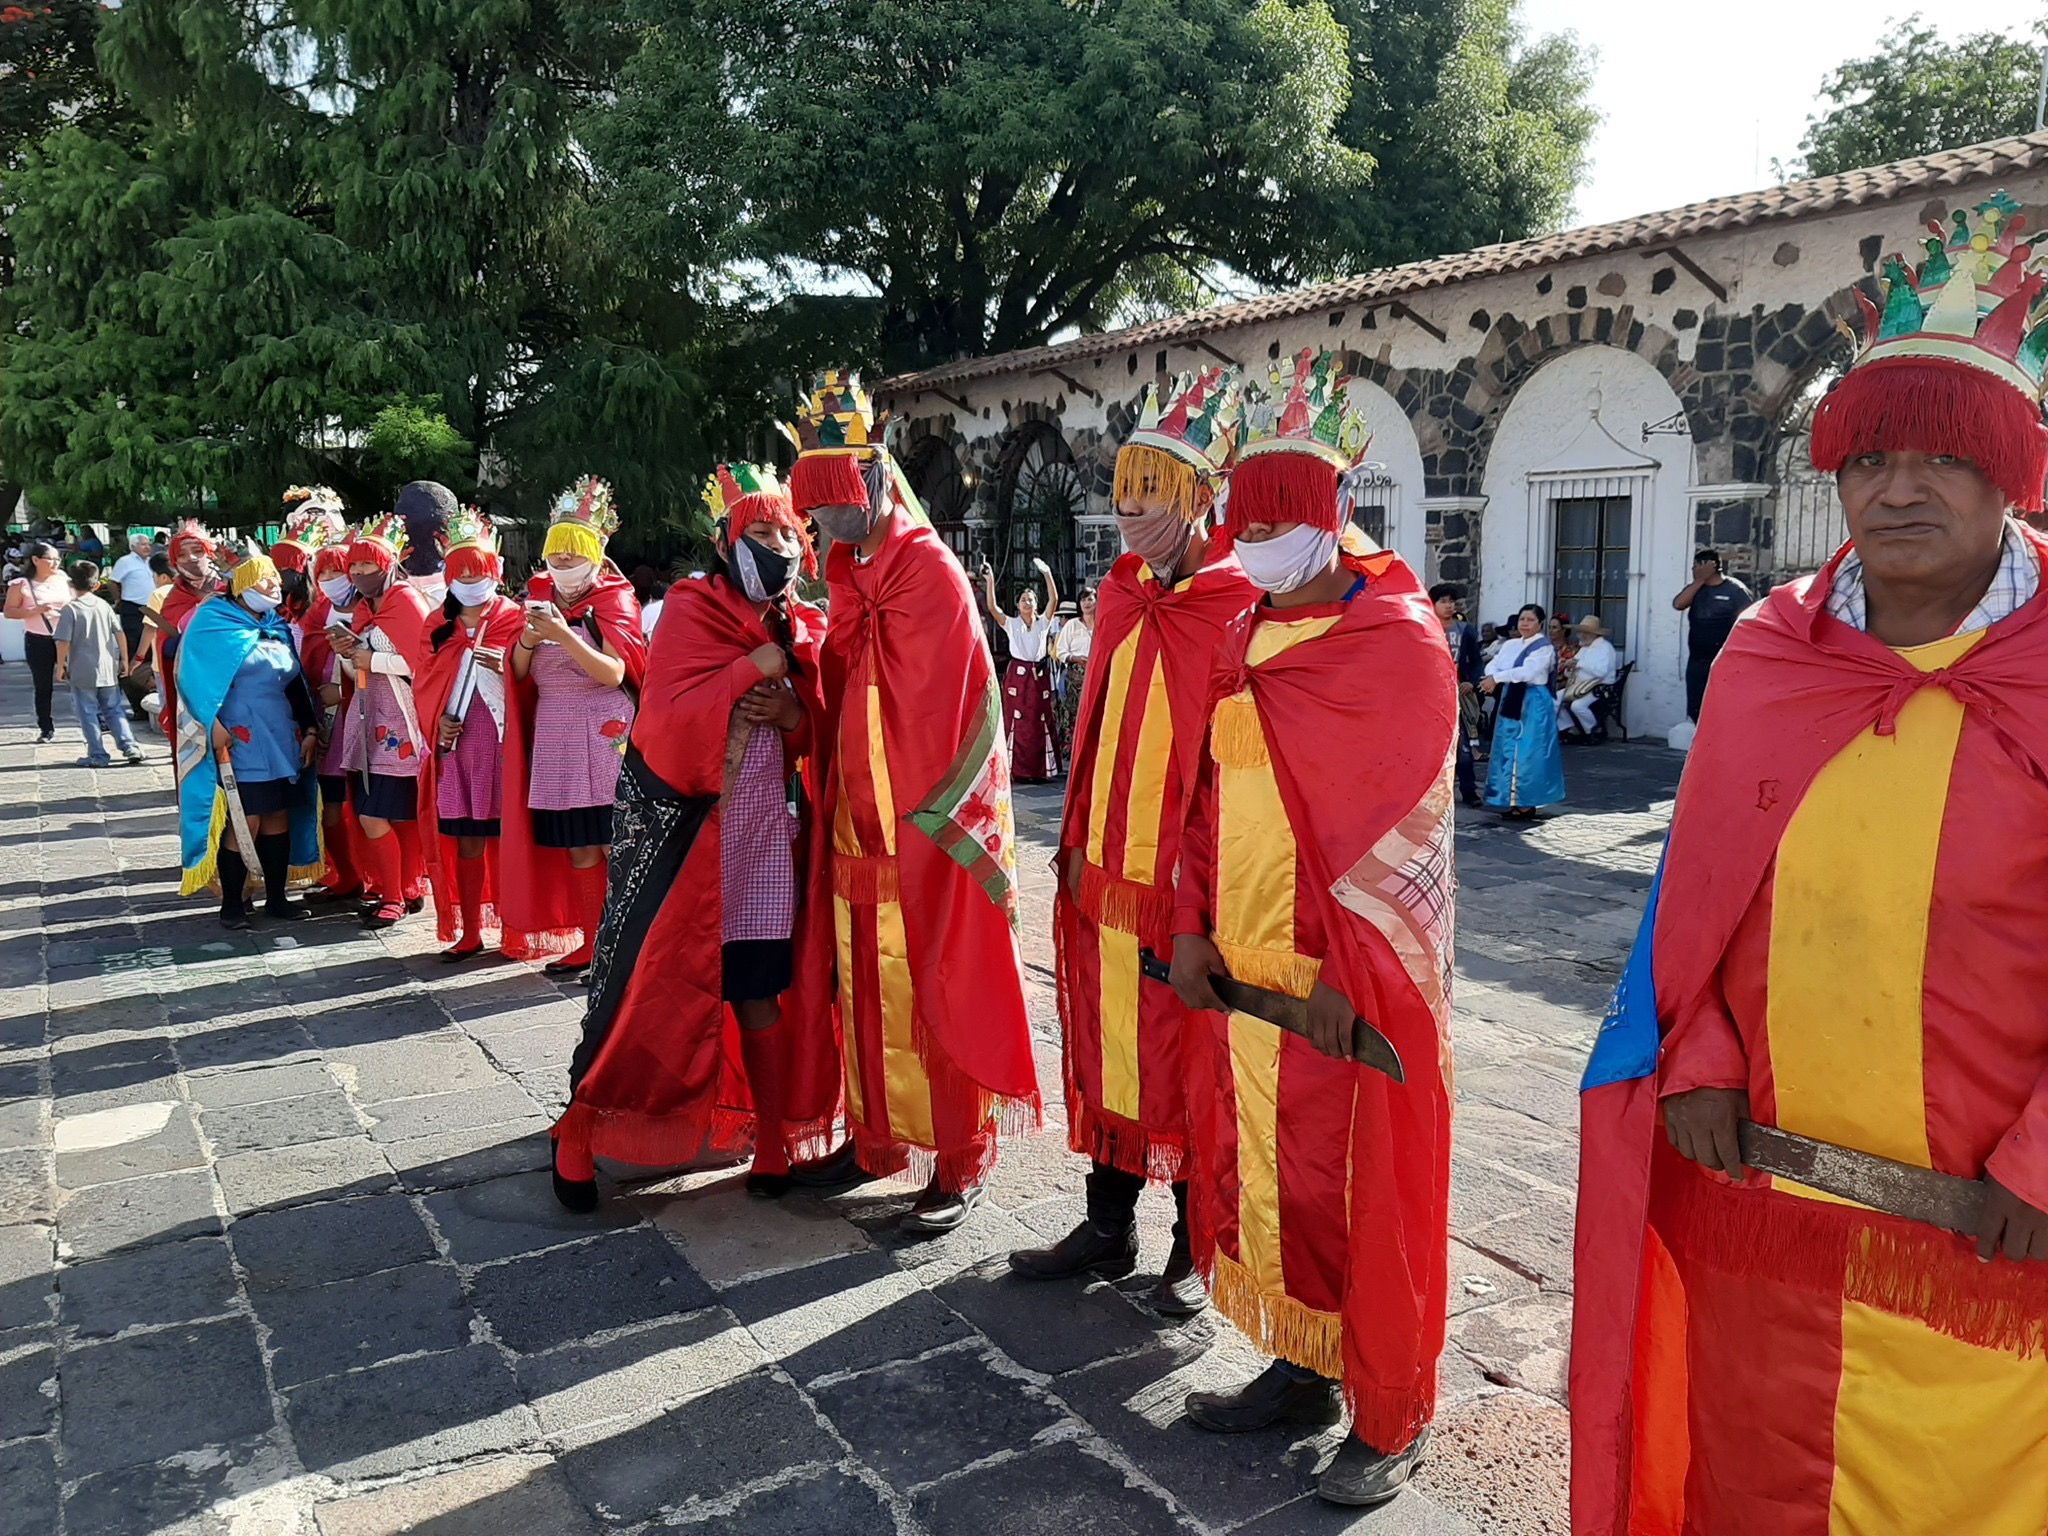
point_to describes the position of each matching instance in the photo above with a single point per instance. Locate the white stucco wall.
(1545, 430)
(1393, 445)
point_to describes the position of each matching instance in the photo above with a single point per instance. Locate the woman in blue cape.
(246, 722)
(1526, 767)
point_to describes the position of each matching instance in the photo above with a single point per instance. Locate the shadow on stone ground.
(278, 1253)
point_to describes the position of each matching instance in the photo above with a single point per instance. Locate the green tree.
(1917, 95)
(1480, 134)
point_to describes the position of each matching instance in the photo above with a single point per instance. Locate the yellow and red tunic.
(1318, 848)
(935, 1037)
(1849, 931)
(1136, 741)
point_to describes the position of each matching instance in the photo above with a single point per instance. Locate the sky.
(1697, 100)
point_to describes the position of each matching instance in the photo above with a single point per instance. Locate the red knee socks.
(469, 887)
(589, 888)
(412, 861)
(761, 1052)
(383, 869)
(342, 874)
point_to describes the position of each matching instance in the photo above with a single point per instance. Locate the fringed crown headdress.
(190, 531)
(1302, 436)
(1952, 362)
(581, 519)
(313, 520)
(1185, 440)
(379, 541)
(472, 545)
(739, 494)
(840, 459)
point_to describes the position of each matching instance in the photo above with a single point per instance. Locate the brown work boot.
(1087, 1250)
(1281, 1394)
(1360, 1476)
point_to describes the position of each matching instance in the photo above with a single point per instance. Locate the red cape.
(1182, 627)
(536, 894)
(1792, 688)
(669, 1071)
(911, 615)
(503, 620)
(179, 604)
(1325, 716)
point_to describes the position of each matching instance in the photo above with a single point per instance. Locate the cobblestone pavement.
(277, 1253)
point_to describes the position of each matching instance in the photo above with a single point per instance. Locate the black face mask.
(762, 573)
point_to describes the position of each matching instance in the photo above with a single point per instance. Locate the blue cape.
(217, 640)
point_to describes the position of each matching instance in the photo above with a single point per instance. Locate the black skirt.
(384, 797)
(754, 969)
(469, 826)
(266, 797)
(583, 826)
(333, 789)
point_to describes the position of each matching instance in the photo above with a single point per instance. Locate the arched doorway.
(947, 492)
(1806, 524)
(1040, 493)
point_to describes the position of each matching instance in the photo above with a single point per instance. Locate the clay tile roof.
(1797, 200)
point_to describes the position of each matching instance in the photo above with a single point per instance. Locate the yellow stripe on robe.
(1116, 951)
(1116, 698)
(1255, 890)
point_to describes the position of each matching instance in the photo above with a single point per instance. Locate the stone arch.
(1401, 484)
(1036, 493)
(945, 486)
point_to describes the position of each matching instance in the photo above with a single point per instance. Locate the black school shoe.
(1277, 1395)
(1087, 1250)
(937, 1210)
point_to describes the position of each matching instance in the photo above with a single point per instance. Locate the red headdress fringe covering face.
(739, 495)
(1301, 436)
(189, 535)
(1953, 362)
(836, 443)
(379, 542)
(472, 547)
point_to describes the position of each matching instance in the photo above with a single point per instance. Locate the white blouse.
(1074, 640)
(1028, 643)
(1510, 667)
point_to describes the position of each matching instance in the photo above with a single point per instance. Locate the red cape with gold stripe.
(1359, 729)
(1793, 689)
(669, 1070)
(1177, 629)
(536, 894)
(502, 621)
(907, 619)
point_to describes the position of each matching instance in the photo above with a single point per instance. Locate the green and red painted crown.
(587, 503)
(1301, 435)
(314, 521)
(836, 436)
(1953, 360)
(1197, 420)
(471, 528)
(739, 494)
(380, 540)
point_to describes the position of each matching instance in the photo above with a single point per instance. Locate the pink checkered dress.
(579, 734)
(755, 831)
(393, 752)
(469, 784)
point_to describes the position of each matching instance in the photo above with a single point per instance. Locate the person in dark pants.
(1711, 605)
(36, 600)
(137, 582)
(1464, 643)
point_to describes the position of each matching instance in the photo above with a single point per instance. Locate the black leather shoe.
(1180, 1292)
(1087, 1250)
(1360, 1476)
(938, 1210)
(286, 910)
(1276, 1396)
(767, 1186)
(839, 1170)
(578, 1195)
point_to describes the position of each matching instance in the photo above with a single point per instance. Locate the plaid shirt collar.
(2018, 579)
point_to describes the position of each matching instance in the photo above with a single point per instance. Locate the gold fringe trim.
(866, 882)
(1124, 905)
(1236, 738)
(1275, 970)
(208, 871)
(1279, 1325)
(1142, 470)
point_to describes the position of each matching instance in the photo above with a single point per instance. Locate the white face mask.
(473, 594)
(572, 581)
(433, 588)
(1289, 560)
(337, 590)
(256, 600)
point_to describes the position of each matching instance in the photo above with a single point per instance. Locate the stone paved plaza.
(278, 1253)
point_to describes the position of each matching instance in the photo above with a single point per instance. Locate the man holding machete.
(1846, 945)
(1316, 862)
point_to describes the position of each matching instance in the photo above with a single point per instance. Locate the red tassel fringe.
(827, 480)
(1282, 488)
(866, 882)
(1907, 405)
(1105, 1138)
(1896, 1266)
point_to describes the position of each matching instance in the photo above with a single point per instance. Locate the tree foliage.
(1917, 95)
